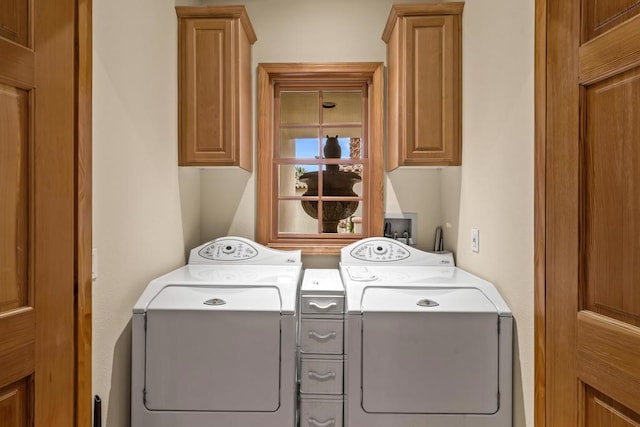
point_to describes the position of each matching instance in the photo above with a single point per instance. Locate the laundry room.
(149, 212)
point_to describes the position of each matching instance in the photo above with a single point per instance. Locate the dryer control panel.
(228, 250)
(237, 250)
(381, 249)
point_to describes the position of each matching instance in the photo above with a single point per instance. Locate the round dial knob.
(379, 250)
(228, 249)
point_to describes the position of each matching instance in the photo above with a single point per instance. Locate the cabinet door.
(432, 90)
(214, 86)
(206, 80)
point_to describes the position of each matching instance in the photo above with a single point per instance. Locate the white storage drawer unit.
(321, 349)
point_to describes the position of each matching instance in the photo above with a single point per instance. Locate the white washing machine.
(214, 342)
(426, 343)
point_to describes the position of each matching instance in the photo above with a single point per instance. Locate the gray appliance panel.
(199, 360)
(436, 363)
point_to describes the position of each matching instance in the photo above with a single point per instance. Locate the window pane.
(294, 180)
(335, 211)
(347, 109)
(338, 181)
(299, 107)
(349, 140)
(342, 180)
(353, 224)
(292, 218)
(300, 143)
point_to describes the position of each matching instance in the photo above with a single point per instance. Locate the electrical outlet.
(475, 240)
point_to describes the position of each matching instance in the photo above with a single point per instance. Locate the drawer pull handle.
(316, 423)
(316, 376)
(322, 307)
(321, 337)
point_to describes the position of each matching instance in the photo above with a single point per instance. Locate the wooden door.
(588, 213)
(37, 199)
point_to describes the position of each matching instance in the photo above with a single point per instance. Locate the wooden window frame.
(353, 72)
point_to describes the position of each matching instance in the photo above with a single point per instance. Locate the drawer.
(321, 336)
(321, 376)
(322, 304)
(320, 413)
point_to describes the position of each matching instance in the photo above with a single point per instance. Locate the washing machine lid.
(219, 298)
(213, 349)
(429, 351)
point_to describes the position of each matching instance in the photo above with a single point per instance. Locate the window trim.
(270, 73)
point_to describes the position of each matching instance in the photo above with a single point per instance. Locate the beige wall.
(138, 229)
(496, 194)
(147, 211)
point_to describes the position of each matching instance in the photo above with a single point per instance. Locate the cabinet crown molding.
(418, 9)
(228, 12)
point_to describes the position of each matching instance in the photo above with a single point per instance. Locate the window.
(320, 160)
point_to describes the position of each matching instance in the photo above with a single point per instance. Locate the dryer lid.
(218, 298)
(426, 300)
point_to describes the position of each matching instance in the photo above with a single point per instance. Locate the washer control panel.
(228, 250)
(380, 250)
(374, 250)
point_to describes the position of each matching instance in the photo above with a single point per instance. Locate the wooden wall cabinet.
(214, 86)
(424, 80)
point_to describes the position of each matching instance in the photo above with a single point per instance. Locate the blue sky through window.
(307, 148)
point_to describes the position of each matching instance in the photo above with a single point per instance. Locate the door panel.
(591, 212)
(17, 315)
(607, 353)
(612, 197)
(602, 411)
(601, 15)
(14, 216)
(14, 21)
(15, 404)
(610, 54)
(17, 357)
(37, 196)
(608, 336)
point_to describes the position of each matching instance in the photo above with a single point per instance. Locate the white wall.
(138, 229)
(142, 201)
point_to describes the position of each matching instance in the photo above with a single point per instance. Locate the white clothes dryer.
(214, 342)
(426, 343)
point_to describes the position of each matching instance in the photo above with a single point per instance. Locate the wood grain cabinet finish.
(214, 86)
(424, 84)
